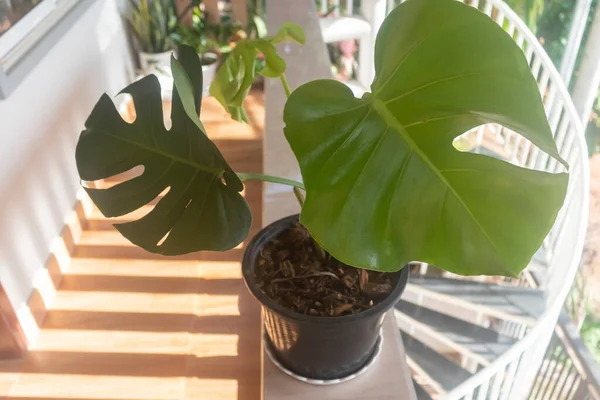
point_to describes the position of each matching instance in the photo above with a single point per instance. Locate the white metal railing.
(568, 371)
(512, 374)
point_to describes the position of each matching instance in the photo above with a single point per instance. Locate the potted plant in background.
(214, 41)
(151, 23)
(384, 185)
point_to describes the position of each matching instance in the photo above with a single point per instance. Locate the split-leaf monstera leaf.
(384, 184)
(203, 209)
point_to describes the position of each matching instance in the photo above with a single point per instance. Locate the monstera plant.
(384, 184)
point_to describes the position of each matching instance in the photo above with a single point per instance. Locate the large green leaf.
(203, 209)
(385, 185)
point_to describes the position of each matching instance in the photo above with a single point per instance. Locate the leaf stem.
(299, 196)
(286, 86)
(248, 176)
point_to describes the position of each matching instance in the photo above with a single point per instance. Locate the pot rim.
(209, 55)
(249, 279)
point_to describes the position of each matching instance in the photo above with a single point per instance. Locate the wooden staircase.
(454, 327)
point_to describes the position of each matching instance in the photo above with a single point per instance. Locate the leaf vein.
(426, 121)
(217, 172)
(435, 82)
(350, 136)
(391, 119)
(363, 169)
(396, 186)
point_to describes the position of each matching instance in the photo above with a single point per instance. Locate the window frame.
(32, 37)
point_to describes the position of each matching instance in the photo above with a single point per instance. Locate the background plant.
(152, 23)
(217, 37)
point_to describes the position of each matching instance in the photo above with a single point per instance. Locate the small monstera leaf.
(384, 184)
(289, 32)
(203, 209)
(234, 78)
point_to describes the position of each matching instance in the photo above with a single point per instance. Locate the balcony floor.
(126, 324)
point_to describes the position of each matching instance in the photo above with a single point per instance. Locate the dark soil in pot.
(322, 317)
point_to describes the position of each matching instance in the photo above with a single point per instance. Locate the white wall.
(39, 126)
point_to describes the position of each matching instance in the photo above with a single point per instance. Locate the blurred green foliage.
(551, 21)
(590, 333)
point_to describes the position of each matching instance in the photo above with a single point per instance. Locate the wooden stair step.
(445, 373)
(507, 303)
(421, 393)
(483, 342)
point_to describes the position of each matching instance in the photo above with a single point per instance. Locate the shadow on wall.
(40, 123)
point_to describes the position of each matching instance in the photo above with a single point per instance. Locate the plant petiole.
(248, 176)
(286, 86)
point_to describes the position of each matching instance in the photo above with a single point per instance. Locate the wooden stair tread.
(484, 342)
(125, 323)
(443, 371)
(421, 393)
(512, 303)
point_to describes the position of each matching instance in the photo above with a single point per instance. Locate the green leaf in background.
(260, 26)
(384, 184)
(203, 209)
(274, 64)
(234, 78)
(289, 32)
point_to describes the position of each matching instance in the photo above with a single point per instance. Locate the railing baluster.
(558, 361)
(479, 138)
(533, 157)
(509, 379)
(475, 3)
(324, 6)
(349, 7)
(500, 18)
(374, 11)
(529, 52)
(557, 230)
(573, 389)
(390, 5)
(498, 379)
(510, 29)
(559, 138)
(508, 135)
(535, 68)
(336, 9)
(515, 153)
(561, 386)
(525, 153)
(488, 8)
(483, 389)
(543, 82)
(519, 39)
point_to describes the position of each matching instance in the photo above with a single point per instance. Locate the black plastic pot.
(317, 347)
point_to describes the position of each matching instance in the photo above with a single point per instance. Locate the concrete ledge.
(389, 378)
